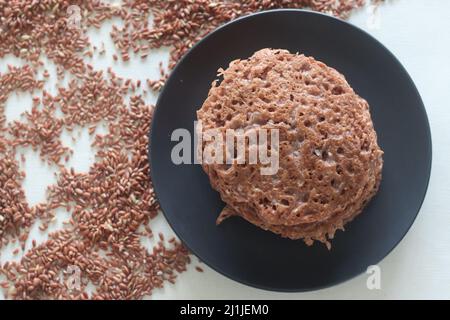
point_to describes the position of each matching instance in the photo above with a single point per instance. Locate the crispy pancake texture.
(329, 161)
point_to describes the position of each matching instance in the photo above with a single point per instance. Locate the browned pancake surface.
(330, 162)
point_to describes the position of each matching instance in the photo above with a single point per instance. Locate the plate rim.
(336, 20)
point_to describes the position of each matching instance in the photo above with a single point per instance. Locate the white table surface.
(417, 32)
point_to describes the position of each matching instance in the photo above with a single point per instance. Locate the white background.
(417, 32)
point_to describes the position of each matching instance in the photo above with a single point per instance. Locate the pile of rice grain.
(112, 204)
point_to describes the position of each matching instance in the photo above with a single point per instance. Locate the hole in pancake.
(225, 167)
(365, 146)
(305, 67)
(337, 90)
(350, 168)
(264, 98)
(334, 184)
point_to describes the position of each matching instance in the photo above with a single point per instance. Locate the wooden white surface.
(417, 32)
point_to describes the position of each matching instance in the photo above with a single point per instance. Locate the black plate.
(261, 259)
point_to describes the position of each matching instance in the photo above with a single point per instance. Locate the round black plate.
(246, 253)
